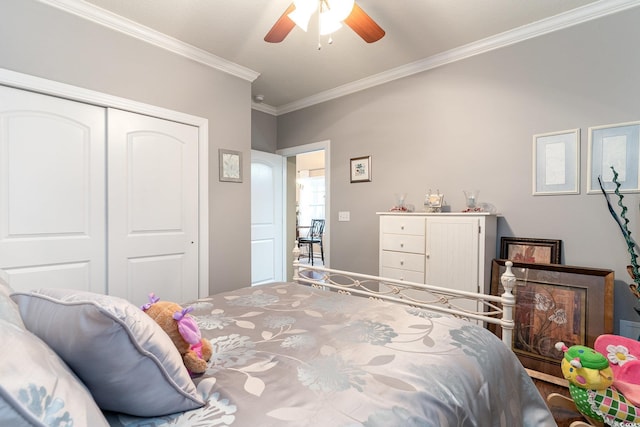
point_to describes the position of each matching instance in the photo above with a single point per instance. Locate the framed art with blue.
(556, 163)
(616, 146)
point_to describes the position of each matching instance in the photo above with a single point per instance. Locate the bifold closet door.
(52, 181)
(152, 208)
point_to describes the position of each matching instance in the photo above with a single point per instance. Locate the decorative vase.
(471, 198)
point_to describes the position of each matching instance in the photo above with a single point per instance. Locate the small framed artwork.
(556, 163)
(555, 303)
(537, 251)
(615, 146)
(230, 164)
(361, 169)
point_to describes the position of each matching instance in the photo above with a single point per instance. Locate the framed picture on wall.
(616, 146)
(361, 169)
(556, 163)
(230, 164)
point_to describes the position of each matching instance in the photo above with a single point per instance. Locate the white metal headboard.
(497, 310)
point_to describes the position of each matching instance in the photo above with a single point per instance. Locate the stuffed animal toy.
(183, 331)
(592, 387)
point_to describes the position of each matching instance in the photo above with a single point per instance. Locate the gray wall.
(264, 135)
(469, 124)
(43, 41)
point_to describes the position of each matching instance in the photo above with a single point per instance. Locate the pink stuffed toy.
(183, 331)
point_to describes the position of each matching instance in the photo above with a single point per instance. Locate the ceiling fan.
(330, 14)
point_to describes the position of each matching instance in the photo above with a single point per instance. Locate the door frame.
(301, 149)
(87, 96)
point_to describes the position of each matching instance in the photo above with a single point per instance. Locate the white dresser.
(452, 250)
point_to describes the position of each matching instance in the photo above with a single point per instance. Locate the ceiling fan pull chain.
(320, 5)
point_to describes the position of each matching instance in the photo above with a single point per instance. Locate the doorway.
(310, 204)
(308, 169)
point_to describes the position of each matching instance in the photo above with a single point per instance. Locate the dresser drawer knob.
(402, 245)
(402, 227)
(401, 262)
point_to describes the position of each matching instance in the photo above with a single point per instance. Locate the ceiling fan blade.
(281, 28)
(363, 25)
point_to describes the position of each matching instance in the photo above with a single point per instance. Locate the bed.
(333, 348)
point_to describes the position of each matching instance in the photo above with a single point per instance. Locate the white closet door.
(52, 180)
(153, 208)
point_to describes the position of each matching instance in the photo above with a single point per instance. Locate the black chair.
(314, 236)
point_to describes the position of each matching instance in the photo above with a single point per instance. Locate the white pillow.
(126, 360)
(8, 308)
(37, 388)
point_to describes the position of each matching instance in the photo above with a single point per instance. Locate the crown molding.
(558, 22)
(156, 38)
(265, 108)
(564, 20)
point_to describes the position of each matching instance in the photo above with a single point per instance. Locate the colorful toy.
(592, 382)
(183, 331)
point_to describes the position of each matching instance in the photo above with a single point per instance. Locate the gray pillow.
(126, 360)
(37, 388)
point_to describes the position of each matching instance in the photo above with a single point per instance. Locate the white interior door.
(52, 180)
(267, 221)
(153, 208)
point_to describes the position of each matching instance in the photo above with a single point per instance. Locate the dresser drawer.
(402, 225)
(404, 275)
(403, 243)
(403, 260)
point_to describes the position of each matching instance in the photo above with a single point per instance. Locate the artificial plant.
(633, 269)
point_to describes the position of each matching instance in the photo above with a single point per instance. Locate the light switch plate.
(344, 216)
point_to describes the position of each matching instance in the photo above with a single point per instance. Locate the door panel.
(452, 255)
(452, 252)
(153, 208)
(267, 222)
(52, 207)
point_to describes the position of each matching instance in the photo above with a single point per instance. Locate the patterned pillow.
(126, 360)
(37, 388)
(8, 308)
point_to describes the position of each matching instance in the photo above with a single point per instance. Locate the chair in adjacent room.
(314, 236)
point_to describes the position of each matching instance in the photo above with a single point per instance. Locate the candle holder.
(471, 199)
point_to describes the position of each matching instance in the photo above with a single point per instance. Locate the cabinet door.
(452, 251)
(52, 192)
(153, 208)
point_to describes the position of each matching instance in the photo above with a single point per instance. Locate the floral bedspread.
(291, 355)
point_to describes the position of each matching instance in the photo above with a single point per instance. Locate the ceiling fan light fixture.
(328, 25)
(333, 13)
(340, 9)
(302, 13)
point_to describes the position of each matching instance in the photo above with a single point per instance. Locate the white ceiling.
(420, 34)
